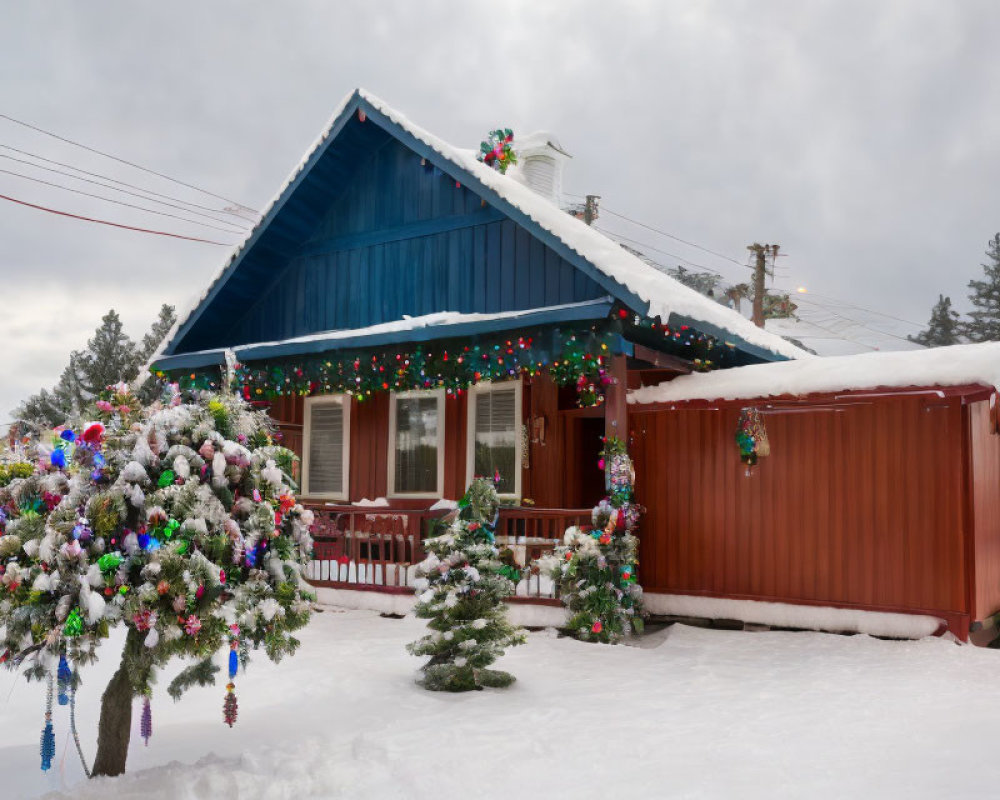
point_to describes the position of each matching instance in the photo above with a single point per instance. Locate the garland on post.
(595, 568)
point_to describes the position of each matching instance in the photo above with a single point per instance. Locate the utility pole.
(590, 209)
(762, 252)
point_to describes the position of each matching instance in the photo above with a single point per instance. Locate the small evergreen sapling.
(462, 591)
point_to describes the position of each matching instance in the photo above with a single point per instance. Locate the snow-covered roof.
(663, 294)
(964, 364)
(439, 325)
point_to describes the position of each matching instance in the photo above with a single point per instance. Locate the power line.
(657, 249)
(112, 224)
(123, 161)
(123, 183)
(862, 308)
(672, 236)
(858, 322)
(125, 191)
(116, 202)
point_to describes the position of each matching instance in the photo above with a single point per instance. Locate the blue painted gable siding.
(398, 237)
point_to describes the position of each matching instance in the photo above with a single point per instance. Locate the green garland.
(576, 356)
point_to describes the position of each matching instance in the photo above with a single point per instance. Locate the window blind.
(326, 449)
(496, 437)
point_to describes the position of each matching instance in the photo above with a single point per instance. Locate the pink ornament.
(207, 451)
(192, 625)
(180, 603)
(596, 627)
(144, 620)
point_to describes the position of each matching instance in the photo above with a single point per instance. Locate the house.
(407, 311)
(411, 318)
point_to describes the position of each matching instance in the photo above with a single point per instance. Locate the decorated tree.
(595, 568)
(462, 589)
(174, 522)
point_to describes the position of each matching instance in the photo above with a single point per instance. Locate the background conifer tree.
(984, 322)
(111, 356)
(943, 328)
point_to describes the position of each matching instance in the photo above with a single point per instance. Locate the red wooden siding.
(455, 439)
(986, 510)
(858, 506)
(369, 446)
(543, 481)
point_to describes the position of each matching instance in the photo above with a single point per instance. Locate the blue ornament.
(47, 747)
(58, 458)
(65, 677)
(144, 540)
(234, 663)
(67, 435)
(99, 460)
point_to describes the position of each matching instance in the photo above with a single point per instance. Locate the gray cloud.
(861, 136)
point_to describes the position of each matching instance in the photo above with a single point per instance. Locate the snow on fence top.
(943, 366)
(664, 294)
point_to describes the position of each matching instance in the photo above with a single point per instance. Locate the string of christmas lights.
(573, 356)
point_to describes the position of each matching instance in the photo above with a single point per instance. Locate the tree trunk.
(115, 727)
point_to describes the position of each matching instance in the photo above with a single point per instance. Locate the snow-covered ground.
(692, 713)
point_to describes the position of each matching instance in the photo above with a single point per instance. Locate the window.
(495, 435)
(416, 444)
(325, 446)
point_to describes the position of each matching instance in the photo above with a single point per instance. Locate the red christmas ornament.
(596, 627)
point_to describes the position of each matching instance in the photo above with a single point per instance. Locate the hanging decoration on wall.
(497, 150)
(751, 437)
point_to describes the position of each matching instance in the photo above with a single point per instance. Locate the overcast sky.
(861, 136)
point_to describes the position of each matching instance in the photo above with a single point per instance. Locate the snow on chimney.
(540, 160)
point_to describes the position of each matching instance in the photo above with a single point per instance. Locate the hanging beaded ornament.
(229, 705)
(47, 746)
(146, 722)
(65, 676)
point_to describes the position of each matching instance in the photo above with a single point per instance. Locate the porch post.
(615, 410)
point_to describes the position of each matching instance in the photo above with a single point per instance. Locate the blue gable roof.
(378, 225)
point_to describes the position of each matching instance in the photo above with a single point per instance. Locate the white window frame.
(344, 401)
(439, 395)
(470, 432)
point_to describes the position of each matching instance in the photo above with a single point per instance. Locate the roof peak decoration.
(497, 150)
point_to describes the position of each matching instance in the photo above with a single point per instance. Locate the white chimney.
(540, 160)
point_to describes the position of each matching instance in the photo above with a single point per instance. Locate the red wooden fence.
(376, 547)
